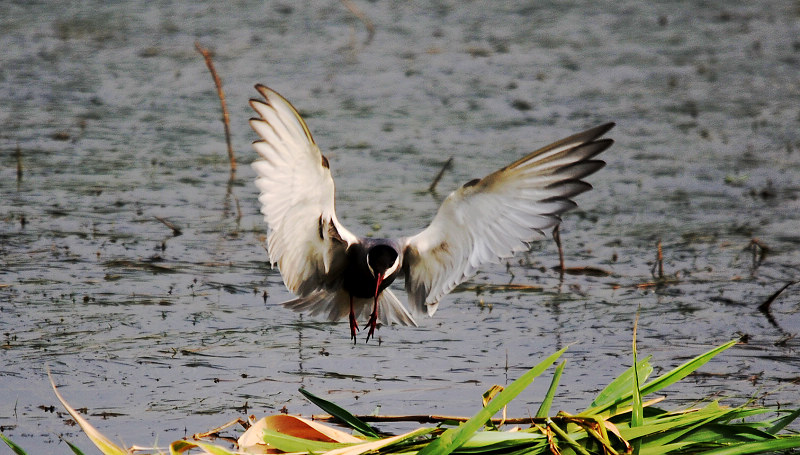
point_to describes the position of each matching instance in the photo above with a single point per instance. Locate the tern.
(335, 273)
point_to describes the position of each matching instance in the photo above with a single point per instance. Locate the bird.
(336, 274)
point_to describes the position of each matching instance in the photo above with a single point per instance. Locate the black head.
(383, 260)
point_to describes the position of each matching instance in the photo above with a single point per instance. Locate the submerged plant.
(617, 422)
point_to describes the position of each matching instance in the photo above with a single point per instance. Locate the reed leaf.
(288, 443)
(747, 448)
(17, 449)
(74, 448)
(340, 413)
(781, 423)
(453, 438)
(637, 410)
(623, 383)
(544, 408)
(103, 443)
(663, 381)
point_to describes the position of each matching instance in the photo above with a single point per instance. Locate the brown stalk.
(176, 231)
(363, 18)
(19, 165)
(659, 265)
(438, 177)
(215, 432)
(225, 116)
(557, 238)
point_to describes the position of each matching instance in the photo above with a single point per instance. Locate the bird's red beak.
(379, 280)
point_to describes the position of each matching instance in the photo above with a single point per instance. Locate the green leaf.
(544, 408)
(622, 385)
(288, 443)
(665, 423)
(341, 414)
(663, 381)
(781, 423)
(637, 410)
(566, 438)
(17, 449)
(684, 370)
(453, 438)
(758, 447)
(74, 448)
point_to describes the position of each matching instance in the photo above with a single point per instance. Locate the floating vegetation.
(617, 422)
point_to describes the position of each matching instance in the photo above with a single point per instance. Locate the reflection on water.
(112, 127)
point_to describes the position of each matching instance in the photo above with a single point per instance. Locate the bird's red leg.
(353, 323)
(373, 318)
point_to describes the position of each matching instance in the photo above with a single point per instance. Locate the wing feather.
(492, 218)
(304, 237)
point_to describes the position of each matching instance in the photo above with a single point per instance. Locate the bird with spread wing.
(335, 273)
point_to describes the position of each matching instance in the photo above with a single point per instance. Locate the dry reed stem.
(176, 231)
(659, 264)
(18, 154)
(445, 166)
(433, 418)
(557, 238)
(363, 18)
(765, 306)
(215, 431)
(759, 250)
(660, 260)
(225, 116)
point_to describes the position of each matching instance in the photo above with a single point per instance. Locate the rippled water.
(112, 118)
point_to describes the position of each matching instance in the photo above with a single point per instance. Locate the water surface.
(114, 121)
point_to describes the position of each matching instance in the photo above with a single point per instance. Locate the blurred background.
(112, 144)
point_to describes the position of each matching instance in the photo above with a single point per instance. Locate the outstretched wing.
(304, 236)
(494, 217)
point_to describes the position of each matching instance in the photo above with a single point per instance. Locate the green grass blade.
(544, 408)
(781, 423)
(17, 449)
(566, 438)
(665, 380)
(455, 437)
(622, 385)
(748, 448)
(667, 448)
(495, 438)
(181, 446)
(684, 370)
(637, 410)
(74, 448)
(673, 422)
(288, 443)
(341, 414)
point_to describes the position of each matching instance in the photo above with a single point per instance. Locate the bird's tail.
(336, 305)
(391, 310)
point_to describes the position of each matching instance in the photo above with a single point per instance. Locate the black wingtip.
(598, 131)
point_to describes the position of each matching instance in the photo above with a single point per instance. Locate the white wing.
(304, 236)
(492, 218)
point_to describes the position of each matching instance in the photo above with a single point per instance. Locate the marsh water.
(111, 123)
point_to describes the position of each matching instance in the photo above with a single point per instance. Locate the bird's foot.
(353, 327)
(373, 322)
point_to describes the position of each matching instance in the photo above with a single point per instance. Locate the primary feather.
(492, 218)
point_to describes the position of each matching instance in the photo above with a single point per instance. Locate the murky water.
(112, 117)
